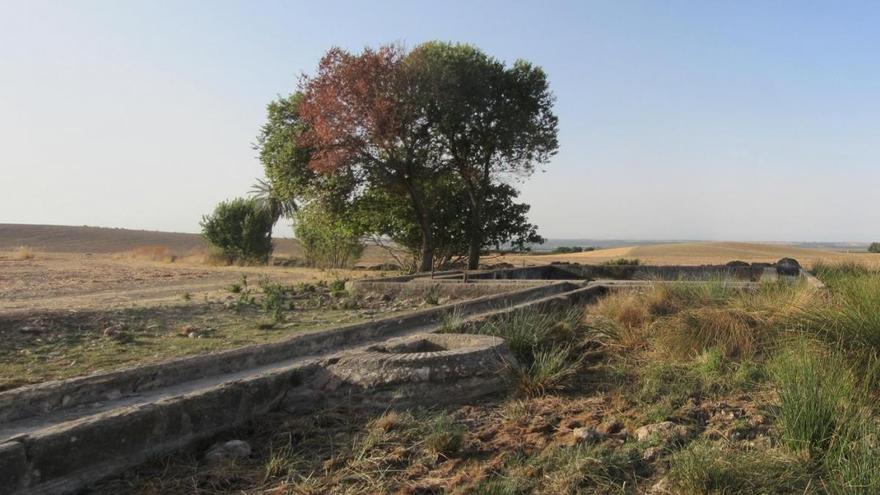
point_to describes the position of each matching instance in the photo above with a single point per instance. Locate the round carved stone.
(426, 369)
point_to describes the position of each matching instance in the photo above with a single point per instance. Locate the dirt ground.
(74, 281)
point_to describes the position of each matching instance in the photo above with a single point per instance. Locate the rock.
(788, 266)
(664, 432)
(651, 454)
(113, 330)
(661, 487)
(585, 434)
(227, 451)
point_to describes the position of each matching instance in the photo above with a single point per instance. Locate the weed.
(274, 299)
(444, 436)
(187, 296)
(451, 321)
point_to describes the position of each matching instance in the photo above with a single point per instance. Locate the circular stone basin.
(429, 368)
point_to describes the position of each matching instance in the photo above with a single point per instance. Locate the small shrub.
(274, 299)
(241, 230)
(327, 241)
(623, 262)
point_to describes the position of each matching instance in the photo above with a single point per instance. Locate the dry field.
(82, 268)
(702, 253)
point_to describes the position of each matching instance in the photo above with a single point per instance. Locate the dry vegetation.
(702, 253)
(58, 345)
(769, 391)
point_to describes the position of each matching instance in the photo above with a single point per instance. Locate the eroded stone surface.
(425, 369)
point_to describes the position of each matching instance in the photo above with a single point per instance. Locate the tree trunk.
(426, 264)
(475, 239)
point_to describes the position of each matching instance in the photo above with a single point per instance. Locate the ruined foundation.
(58, 437)
(426, 369)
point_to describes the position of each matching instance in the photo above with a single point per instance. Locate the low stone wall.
(441, 287)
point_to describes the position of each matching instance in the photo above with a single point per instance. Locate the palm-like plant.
(268, 198)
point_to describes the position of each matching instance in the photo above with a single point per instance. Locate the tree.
(417, 147)
(365, 120)
(874, 247)
(491, 121)
(505, 222)
(241, 229)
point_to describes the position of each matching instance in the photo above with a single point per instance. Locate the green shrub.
(874, 247)
(327, 241)
(623, 262)
(241, 230)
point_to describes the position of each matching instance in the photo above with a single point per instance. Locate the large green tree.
(417, 147)
(492, 122)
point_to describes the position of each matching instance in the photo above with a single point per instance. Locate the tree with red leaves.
(365, 117)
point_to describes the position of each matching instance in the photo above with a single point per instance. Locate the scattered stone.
(651, 454)
(113, 330)
(664, 432)
(585, 434)
(661, 487)
(228, 451)
(788, 266)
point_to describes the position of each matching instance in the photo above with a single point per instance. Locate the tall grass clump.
(544, 344)
(742, 324)
(705, 467)
(817, 396)
(852, 462)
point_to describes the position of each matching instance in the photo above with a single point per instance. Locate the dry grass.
(699, 253)
(23, 253)
(158, 253)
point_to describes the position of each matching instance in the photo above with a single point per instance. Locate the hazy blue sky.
(700, 120)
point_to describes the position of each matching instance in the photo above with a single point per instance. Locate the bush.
(623, 262)
(327, 242)
(874, 247)
(241, 230)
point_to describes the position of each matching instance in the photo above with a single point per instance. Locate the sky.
(678, 120)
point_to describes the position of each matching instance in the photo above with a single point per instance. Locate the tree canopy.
(420, 147)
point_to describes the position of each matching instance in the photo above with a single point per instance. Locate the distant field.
(699, 253)
(101, 240)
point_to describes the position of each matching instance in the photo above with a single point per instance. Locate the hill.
(72, 239)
